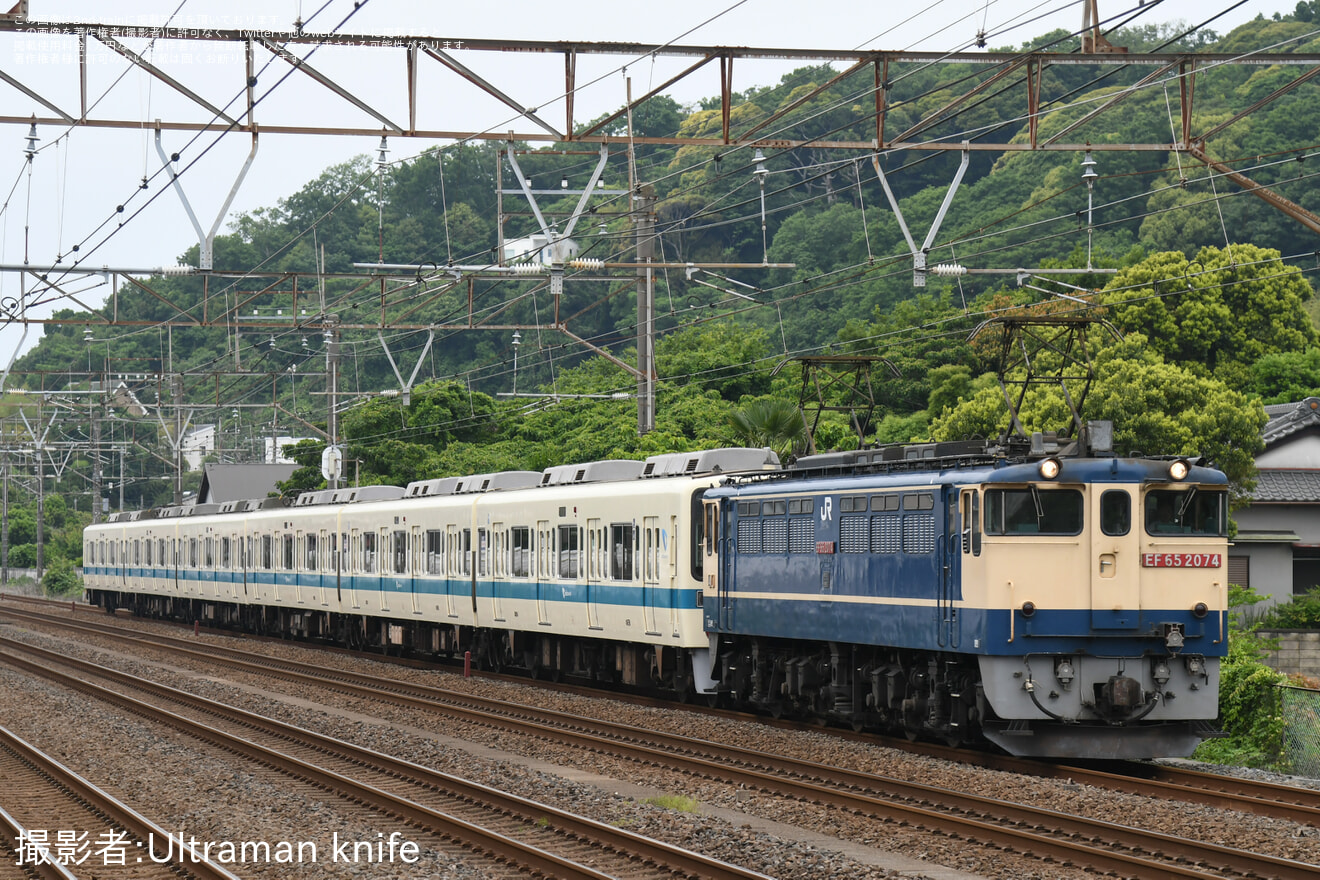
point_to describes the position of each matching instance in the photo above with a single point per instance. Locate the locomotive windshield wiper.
(1187, 503)
(1040, 510)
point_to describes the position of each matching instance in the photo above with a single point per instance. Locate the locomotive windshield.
(1033, 512)
(1186, 512)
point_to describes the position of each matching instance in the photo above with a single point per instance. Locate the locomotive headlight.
(1179, 470)
(1028, 609)
(1049, 468)
(1200, 609)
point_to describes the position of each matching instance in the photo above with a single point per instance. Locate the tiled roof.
(1286, 419)
(1287, 486)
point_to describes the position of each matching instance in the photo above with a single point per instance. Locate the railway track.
(1020, 828)
(104, 837)
(1148, 780)
(531, 837)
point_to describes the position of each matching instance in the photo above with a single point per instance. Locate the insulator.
(528, 269)
(177, 270)
(948, 270)
(587, 263)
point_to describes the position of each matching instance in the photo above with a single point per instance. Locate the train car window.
(146, 552)
(343, 551)
(309, 552)
(400, 552)
(287, 556)
(1186, 512)
(570, 552)
(209, 552)
(368, 552)
(1033, 512)
(852, 504)
(976, 524)
(224, 553)
(522, 550)
(192, 552)
(774, 508)
(623, 544)
(1116, 512)
(465, 551)
(749, 508)
(919, 501)
(884, 503)
(434, 549)
(965, 515)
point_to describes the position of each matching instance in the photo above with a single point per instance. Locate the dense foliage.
(1249, 710)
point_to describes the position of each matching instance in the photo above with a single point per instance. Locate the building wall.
(1303, 520)
(1298, 652)
(1299, 451)
(1271, 570)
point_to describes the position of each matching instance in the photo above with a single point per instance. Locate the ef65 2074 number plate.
(1181, 560)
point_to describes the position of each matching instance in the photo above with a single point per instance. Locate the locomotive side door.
(947, 558)
(1115, 559)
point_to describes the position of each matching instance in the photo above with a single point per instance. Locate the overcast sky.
(79, 176)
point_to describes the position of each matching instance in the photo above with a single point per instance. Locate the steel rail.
(194, 864)
(1253, 796)
(935, 808)
(632, 846)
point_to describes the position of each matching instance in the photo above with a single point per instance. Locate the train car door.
(385, 565)
(356, 555)
(597, 565)
(651, 593)
(415, 567)
(669, 563)
(1115, 559)
(300, 565)
(326, 564)
(712, 589)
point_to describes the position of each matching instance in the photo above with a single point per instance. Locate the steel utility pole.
(644, 227)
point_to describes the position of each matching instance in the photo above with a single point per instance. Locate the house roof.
(237, 482)
(1286, 419)
(1286, 486)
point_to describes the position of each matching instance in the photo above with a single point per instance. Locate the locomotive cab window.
(1115, 512)
(1031, 511)
(1186, 512)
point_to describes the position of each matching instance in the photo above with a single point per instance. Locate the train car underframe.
(539, 655)
(916, 694)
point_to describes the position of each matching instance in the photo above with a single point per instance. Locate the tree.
(770, 422)
(1157, 409)
(1222, 311)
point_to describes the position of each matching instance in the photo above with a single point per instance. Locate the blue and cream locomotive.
(1054, 603)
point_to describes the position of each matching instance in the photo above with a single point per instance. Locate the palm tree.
(771, 422)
